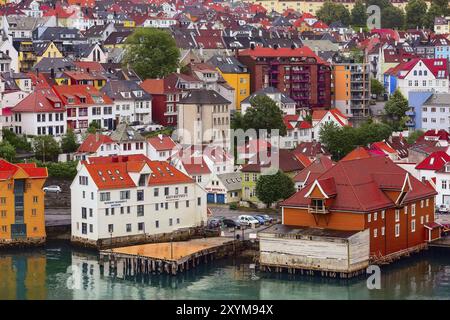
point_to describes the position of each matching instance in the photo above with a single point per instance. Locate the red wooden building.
(368, 193)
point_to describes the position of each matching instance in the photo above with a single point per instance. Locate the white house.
(132, 196)
(284, 102)
(322, 117)
(97, 145)
(298, 130)
(40, 113)
(161, 147)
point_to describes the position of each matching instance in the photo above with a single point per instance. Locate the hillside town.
(288, 128)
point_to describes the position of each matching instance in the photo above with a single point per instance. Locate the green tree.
(392, 18)
(381, 3)
(7, 151)
(438, 8)
(331, 12)
(357, 55)
(359, 14)
(415, 14)
(93, 127)
(46, 148)
(413, 136)
(69, 142)
(151, 53)
(262, 114)
(376, 87)
(18, 142)
(395, 109)
(271, 188)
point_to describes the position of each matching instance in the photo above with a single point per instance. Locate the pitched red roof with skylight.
(161, 143)
(77, 91)
(41, 100)
(162, 173)
(434, 161)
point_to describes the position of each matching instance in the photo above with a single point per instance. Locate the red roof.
(434, 161)
(195, 165)
(7, 170)
(79, 91)
(93, 66)
(281, 52)
(314, 170)
(335, 113)
(162, 142)
(360, 185)
(434, 135)
(93, 142)
(293, 121)
(437, 66)
(114, 172)
(41, 100)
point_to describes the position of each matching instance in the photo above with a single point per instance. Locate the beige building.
(312, 6)
(203, 117)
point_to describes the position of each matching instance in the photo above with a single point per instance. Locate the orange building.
(22, 217)
(368, 193)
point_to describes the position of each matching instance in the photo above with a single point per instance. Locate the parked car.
(266, 217)
(214, 223)
(230, 223)
(247, 220)
(54, 189)
(261, 220)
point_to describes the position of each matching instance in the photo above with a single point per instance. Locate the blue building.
(416, 99)
(441, 47)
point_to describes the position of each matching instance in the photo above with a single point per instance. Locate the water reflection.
(43, 274)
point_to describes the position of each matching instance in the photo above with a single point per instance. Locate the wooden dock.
(443, 242)
(167, 257)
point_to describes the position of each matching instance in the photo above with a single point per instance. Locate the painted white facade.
(40, 124)
(164, 208)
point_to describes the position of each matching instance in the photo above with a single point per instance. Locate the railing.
(318, 209)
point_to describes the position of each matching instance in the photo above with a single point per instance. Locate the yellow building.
(46, 50)
(26, 55)
(235, 74)
(22, 217)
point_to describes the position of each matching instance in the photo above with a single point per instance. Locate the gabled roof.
(360, 186)
(114, 172)
(41, 100)
(93, 142)
(314, 170)
(434, 161)
(318, 115)
(161, 143)
(8, 170)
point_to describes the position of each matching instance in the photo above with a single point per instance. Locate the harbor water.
(59, 271)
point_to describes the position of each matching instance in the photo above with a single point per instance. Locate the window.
(187, 203)
(156, 224)
(199, 201)
(397, 230)
(397, 215)
(140, 195)
(185, 190)
(382, 231)
(110, 228)
(35, 199)
(176, 204)
(444, 184)
(375, 232)
(105, 196)
(156, 207)
(375, 216)
(427, 218)
(170, 222)
(156, 192)
(166, 191)
(124, 195)
(383, 212)
(91, 228)
(83, 213)
(112, 211)
(413, 209)
(427, 202)
(406, 209)
(83, 180)
(84, 228)
(141, 226)
(128, 209)
(2, 200)
(140, 210)
(421, 203)
(369, 217)
(91, 211)
(107, 212)
(33, 212)
(128, 227)
(421, 219)
(413, 225)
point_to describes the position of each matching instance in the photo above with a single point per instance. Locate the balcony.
(410, 123)
(410, 113)
(318, 209)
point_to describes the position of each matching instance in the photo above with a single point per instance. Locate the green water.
(42, 274)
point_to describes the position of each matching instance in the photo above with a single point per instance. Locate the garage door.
(211, 198)
(220, 198)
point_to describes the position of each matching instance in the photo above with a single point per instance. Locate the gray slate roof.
(204, 96)
(125, 132)
(269, 90)
(232, 181)
(438, 99)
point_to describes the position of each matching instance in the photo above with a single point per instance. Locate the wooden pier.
(443, 242)
(167, 257)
